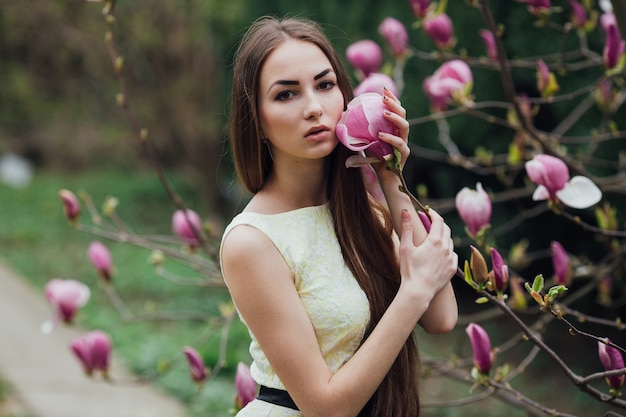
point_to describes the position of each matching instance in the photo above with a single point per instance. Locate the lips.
(316, 129)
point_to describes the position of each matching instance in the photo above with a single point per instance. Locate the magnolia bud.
(100, 258)
(500, 271)
(93, 350)
(490, 43)
(612, 360)
(394, 32)
(546, 81)
(245, 385)
(197, 369)
(187, 225)
(439, 29)
(474, 207)
(480, 272)
(365, 55)
(70, 204)
(560, 264)
(481, 347)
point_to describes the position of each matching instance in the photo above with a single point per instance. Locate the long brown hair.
(366, 242)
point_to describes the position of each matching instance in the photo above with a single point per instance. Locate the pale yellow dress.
(334, 301)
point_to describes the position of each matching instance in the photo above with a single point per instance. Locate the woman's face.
(299, 102)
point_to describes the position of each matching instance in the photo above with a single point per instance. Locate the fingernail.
(387, 112)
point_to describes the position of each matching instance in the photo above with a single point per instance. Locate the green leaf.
(555, 291)
(538, 283)
(468, 275)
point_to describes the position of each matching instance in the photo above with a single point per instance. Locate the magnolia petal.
(356, 161)
(541, 193)
(580, 192)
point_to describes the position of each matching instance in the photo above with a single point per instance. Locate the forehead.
(294, 60)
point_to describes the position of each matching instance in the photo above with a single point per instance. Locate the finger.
(388, 93)
(406, 232)
(395, 141)
(393, 102)
(401, 124)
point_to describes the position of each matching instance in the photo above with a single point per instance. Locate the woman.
(329, 293)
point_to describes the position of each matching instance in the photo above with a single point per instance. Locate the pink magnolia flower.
(612, 360)
(537, 7)
(420, 7)
(474, 207)
(579, 14)
(451, 82)
(560, 263)
(245, 385)
(440, 30)
(71, 204)
(552, 177)
(66, 296)
(197, 370)
(614, 45)
(490, 43)
(374, 83)
(100, 258)
(360, 123)
(500, 271)
(394, 32)
(481, 347)
(186, 226)
(93, 350)
(365, 55)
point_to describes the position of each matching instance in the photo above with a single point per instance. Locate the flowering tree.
(534, 175)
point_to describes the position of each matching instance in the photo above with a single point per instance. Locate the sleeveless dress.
(334, 301)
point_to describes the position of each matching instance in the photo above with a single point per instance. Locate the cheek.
(336, 108)
(270, 118)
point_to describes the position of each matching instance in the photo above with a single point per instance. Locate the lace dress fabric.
(331, 296)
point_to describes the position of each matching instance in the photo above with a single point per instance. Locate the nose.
(313, 108)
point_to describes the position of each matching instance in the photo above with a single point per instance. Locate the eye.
(326, 85)
(284, 95)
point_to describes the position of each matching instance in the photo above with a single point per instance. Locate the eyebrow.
(293, 82)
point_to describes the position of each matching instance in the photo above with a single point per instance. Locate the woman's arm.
(442, 313)
(262, 287)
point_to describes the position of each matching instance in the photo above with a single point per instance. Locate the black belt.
(277, 397)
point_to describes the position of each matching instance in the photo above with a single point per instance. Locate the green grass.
(37, 241)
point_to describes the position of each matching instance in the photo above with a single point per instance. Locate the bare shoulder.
(241, 239)
(250, 259)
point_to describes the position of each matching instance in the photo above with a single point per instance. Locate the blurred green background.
(58, 110)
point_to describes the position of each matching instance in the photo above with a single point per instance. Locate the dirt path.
(47, 380)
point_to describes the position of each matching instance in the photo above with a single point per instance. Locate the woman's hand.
(396, 114)
(428, 267)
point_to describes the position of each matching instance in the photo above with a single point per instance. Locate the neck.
(297, 185)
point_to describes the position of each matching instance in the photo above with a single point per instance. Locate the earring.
(269, 148)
